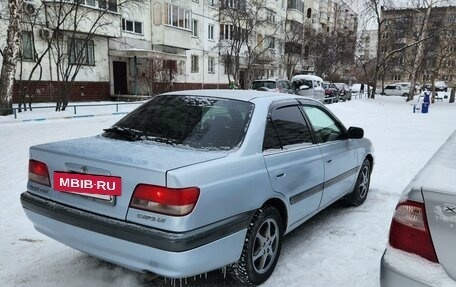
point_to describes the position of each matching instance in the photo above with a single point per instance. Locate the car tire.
(261, 249)
(361, 189)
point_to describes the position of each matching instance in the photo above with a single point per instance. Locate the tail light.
(410, 231)
(164, 200)
(38, 172)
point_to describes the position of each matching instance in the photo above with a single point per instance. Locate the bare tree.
(10, 55)
(161, 74)
(339, 53)
(295, 40)
(241, 42)
(31, 22)
(74, 29)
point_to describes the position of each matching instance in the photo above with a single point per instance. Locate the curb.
(62, 118)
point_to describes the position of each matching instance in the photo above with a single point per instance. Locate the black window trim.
(283, 104)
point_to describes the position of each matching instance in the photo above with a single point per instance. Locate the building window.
(270, 16)
(306, 52)
(226, 32)
(110, 5)
(270, 42)
(396, 77)
(239, 4)
(211, 65)
(230, 32)
(178, 17)
(309, 13)
(194, 63)
(81, 52)
(132, 26)
(212, 2)
(27, 46)
(296, 4)
(195, 28)
(210, 32)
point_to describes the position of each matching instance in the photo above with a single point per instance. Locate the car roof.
(270, 80)
(307, 77)
(242, 95)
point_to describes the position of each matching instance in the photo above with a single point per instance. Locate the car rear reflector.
(164, 200)
(410, 231)
(38, 172)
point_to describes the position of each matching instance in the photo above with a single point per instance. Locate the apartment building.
(112, 48)
(437, 60)
(367, 48)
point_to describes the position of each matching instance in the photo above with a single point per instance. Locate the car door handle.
(279, 173)
(329, 160)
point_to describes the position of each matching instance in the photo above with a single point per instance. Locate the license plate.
(97, 186)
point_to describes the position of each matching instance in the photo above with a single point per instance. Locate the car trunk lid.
(132, 162)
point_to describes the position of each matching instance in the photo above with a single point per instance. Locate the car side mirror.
(304, 87)
(355, 133)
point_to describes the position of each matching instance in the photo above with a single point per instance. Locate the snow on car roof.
(242, 95)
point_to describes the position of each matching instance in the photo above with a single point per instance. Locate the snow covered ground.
(339, 247)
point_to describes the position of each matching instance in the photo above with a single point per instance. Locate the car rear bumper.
(400, 268)
(137, 247)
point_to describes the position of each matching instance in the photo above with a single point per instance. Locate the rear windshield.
(266, 84)
(193, 121)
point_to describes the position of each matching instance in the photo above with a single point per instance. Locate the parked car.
(309, 86)
(395, 90)
(282, 86)
(345, 93)
(406, 86)
(193, 181)
(331, 92)
(440, 86)
(421, 241)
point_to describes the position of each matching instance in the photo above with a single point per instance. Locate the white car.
(396, 90)
(310, 86)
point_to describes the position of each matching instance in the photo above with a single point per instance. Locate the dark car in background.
(331, 92)
(282, 86)
(344, 91)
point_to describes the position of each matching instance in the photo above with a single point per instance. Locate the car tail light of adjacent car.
(410, 230)
(164, 200)
(38, 172)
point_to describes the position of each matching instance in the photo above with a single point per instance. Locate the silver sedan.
(194, 181)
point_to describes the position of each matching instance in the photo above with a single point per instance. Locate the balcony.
(169, 36)
(85, 16)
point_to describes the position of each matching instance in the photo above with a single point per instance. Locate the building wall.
(398, 31)
(160, 39)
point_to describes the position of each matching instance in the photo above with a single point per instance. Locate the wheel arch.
(370, 158)
(282, 208)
